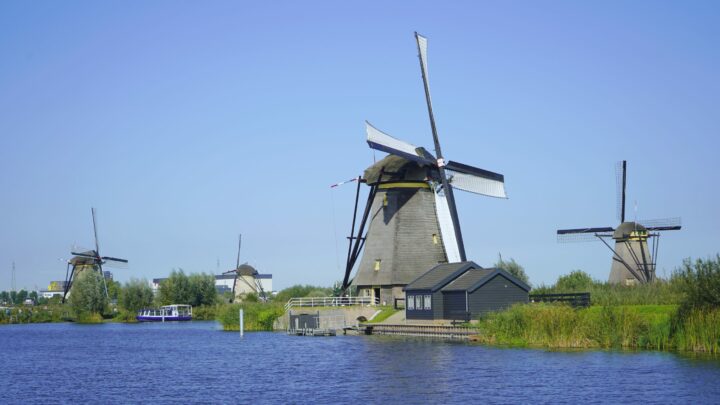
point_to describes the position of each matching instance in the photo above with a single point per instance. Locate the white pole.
(242, 321)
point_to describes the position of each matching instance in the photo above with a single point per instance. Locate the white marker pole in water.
(242, 326)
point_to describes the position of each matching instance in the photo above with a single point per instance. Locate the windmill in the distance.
(411, 208)
(246, 280)
(633, 259)
(89, 260)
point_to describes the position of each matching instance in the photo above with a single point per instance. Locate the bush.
(576, 281)
(195, 290)
(513, 268)
(136, 295)
(87, 296)
(302, 291)
(700, 282)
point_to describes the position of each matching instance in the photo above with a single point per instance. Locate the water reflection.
(194, 362)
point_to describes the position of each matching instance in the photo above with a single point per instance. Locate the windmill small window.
(377, 264)
(436, 240)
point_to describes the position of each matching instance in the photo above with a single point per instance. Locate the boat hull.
(155, 318)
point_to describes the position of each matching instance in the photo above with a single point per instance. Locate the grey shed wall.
(497, 294)
(454, 305)
(437, 306)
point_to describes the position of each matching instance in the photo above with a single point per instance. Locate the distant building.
(107, 274)
(55, 288)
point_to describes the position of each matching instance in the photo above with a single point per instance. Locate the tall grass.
(561, 326)
(657, 327)
(257, 316)
(661, 292)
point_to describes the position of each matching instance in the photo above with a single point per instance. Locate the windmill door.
(376, 294)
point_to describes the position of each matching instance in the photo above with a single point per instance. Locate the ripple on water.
(197, 363)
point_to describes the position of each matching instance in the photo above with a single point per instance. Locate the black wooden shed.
(462, 291)
(479, 291)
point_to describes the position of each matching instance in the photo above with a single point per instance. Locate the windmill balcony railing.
(331, 302)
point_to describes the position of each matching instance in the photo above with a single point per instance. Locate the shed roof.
(476, 278)
(437, 277)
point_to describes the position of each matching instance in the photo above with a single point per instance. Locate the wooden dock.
(312, 332)
(435, 331)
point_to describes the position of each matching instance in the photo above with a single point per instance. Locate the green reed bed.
(257, 316)
(656, 327)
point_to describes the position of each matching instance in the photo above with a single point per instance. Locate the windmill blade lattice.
(663, 224)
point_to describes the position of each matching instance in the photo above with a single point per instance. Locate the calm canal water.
(197, 363)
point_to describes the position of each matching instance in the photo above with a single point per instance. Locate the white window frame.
(411, 302)
(428, 302)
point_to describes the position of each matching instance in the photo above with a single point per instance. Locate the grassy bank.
(658, 327)
(257, 316)
(385, 313)
(44, 314)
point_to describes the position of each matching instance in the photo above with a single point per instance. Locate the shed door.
(454, 305)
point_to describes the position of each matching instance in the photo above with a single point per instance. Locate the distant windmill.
(633, 261)
(89, 260)
(246, 278)
(411, 208)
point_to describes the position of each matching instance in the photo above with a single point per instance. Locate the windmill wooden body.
(410, 214)
(247, 279)
(89, 260)
(634, 244)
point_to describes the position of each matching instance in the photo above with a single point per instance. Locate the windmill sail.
(447, 231)
(475, 180)
(664, 224)
(383, 142)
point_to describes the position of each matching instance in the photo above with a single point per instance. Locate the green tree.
(135, 295)
(175, 289)
(34, 296)
(114, 288)
(5, 297)
(513, 268)
(202, 289)
(21, 296)
(576, 281)
(88, 293)
(13, 297)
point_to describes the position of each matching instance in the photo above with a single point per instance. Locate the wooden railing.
(574, 299)
(330, 302)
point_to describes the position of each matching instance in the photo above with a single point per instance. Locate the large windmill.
(413, 220)
(89, 260)
(247, 279)
(633, 259)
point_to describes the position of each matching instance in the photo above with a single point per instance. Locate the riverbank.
(650, 327)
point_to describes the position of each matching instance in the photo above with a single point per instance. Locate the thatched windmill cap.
(246, 270)
(400, 168)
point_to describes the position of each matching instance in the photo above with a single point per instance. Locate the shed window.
(428, 302)
(418, 302)
(377, 264)
(411, 302)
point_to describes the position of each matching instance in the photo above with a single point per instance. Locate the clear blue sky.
(186, 123)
